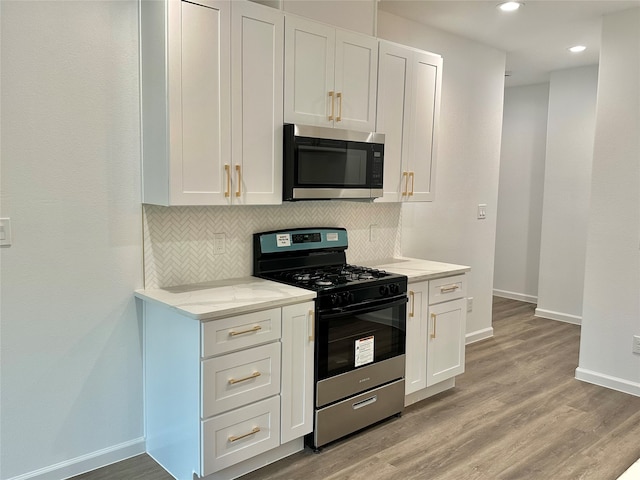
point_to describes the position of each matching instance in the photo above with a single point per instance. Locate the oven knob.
(347, 297)
(394, 288)
(335, 300)
(384, 290)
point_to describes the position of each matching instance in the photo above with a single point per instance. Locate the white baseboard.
(478, 335)
(614, 383)
(561, 317)
(515, 296)
(86, 463)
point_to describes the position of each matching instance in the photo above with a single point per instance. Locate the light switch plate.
(482, 211)
(5, 232)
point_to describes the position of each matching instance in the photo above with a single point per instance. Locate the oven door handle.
(363, 307)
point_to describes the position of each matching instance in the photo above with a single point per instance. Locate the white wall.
(611, 308)
(522, 159)
(567, 184)
(468, 162)
(356, 15)
(70, 346)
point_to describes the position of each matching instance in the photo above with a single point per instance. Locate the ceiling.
(536, 37)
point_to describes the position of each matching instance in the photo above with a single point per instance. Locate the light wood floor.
(516, 413)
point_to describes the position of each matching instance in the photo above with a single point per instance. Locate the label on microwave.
(364, 351)
(283, 240)
(332, 237)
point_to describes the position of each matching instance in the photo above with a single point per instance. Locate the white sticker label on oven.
(283, 240)
(364, 351)
(332, 237)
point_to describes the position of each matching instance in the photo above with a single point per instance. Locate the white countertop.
(417, 269)
(223, 298)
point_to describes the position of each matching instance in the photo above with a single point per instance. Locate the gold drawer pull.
(412, 176)
(339, 96)
(251, 330)
(435, 319)
(233, 381)
(312, 326)
(239, 175)
(413, 303)
(227, 171)
(405, 175)
(240, 437)
(331, 93)
(449, 288)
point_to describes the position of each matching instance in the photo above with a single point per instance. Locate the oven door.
(355, 338)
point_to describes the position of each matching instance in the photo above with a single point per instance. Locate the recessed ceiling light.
(577, 49)
(510, 6)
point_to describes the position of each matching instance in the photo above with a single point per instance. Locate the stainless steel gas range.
(360, 324)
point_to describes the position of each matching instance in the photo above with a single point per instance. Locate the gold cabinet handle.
(413, 303)
(339, 117)
(312, 327)
(239, 437)
(239, 176)
(233, 333)
(233, 381)
(435, 319)
(405, 175)
(227, 168)
(412, 176)
(331, 93)
(448, 288)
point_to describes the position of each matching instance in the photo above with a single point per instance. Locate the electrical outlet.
(218, 243)
(470, 304)
(5, 232)
(636, 344)
(373, 232)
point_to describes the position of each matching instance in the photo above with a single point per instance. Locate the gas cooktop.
(315, 258)
(327, 277)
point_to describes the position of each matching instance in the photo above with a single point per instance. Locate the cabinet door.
(257, 51)
(199, 140)
(393, 116)
(356, 78)
(309, 72)
(297, 371)
(425, 107)
(446, 341)
(416, 352)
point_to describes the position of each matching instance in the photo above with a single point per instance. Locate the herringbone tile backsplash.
(178, 241)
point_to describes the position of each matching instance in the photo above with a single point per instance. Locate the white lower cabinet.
(240, 434)
(296, 393)
(224, 397)
(436, 326)
(415, 375)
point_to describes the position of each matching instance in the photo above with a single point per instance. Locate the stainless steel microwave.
(328, 163)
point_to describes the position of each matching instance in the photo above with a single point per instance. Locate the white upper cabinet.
(330, 76)
(192, 152)
(257, 57)
(408, 109)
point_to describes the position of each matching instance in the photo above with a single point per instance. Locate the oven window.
(354, 340)
(331, 166)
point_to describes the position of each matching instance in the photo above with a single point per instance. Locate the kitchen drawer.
(447, 288)
(240, 378)
(242, 331)
(240, 434)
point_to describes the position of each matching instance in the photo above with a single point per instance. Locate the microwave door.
(331, 172)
